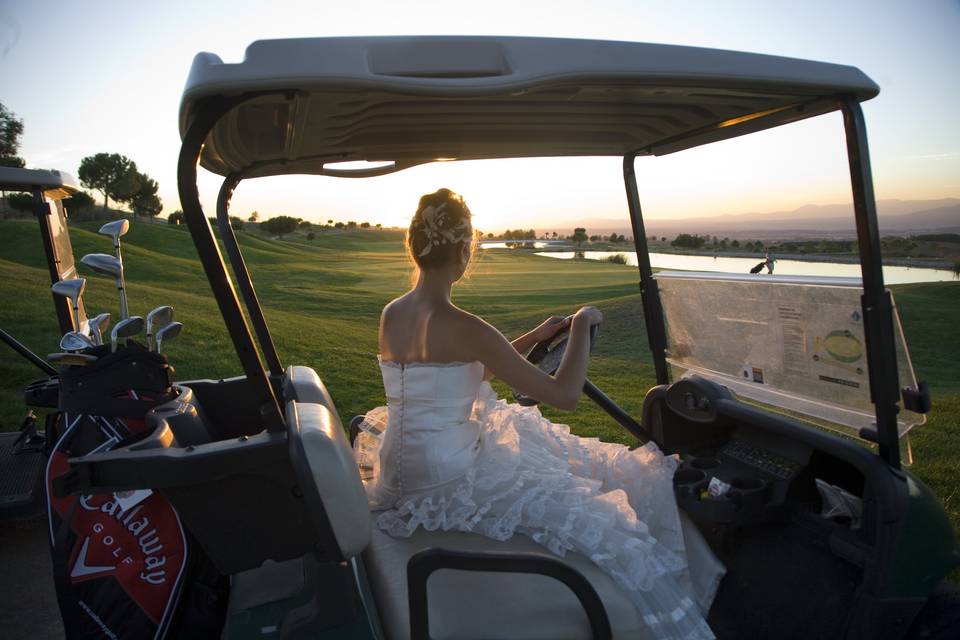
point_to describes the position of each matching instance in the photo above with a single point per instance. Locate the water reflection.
(891, 275)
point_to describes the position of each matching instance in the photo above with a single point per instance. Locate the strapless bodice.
(430, 438)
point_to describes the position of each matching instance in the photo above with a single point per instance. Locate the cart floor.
(21, 480)
(28, 601)
(782, 582)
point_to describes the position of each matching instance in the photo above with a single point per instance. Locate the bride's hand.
(550, 327)
(591, 314)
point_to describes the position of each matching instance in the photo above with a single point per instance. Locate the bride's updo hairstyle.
(439, 230)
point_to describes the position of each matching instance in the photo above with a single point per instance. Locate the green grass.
(322, 300)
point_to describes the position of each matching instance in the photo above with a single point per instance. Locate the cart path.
(28, 602)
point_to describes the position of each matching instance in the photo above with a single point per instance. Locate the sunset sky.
(100, 76)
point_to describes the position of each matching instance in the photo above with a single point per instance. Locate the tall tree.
(253, 217)
(11, 128)
(579, 236)
(79, 201)
(280, 225)
(113, 175)
(144, 200)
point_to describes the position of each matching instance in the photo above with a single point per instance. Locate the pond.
(891, 275)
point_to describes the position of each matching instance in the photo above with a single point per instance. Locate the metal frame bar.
(876, 301)
(42, 209)
(20, 348)
(649, 293)
(240, 272)
(424, 563)
(206, 117)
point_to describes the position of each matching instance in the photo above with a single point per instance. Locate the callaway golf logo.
(119, 540)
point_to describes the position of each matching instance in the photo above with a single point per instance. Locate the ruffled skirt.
(533, 477)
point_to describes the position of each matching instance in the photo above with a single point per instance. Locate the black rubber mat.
(21, 479)
(782, 582)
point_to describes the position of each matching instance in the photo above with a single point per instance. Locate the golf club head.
(115, 229)
(168, 333)
(75, 341)
(157, 319)
(71, 289)
(97, 326)
(103, 264)
(125, 329)
(71, 358)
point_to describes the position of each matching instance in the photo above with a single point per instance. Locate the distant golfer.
(768, 262)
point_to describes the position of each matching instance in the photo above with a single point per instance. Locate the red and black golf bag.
(124, 565)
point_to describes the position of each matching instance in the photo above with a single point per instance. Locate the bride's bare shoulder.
(395, 306)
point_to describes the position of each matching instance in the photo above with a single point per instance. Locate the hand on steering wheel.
(548, 358)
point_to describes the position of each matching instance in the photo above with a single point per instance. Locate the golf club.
(97, 326)
(116, 229)
(108, 265)
(168, 333)
(75, 341)
(157, 319)
(72, 290)
(125, 329)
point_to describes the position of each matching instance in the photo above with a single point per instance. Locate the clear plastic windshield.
(796, 343)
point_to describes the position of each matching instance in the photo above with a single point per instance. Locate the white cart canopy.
(417, 99)
(56, 185)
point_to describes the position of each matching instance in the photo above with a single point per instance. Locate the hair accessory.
(433, 220)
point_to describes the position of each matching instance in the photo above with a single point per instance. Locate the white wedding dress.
(446, 454)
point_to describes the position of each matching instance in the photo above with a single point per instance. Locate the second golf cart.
(823, 536)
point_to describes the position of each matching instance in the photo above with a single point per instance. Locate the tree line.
(114, 175)
(281, 225)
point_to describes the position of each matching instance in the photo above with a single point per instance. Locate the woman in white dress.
(446, 454)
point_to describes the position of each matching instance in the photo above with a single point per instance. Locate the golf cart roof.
(55, 184)
(410, 100)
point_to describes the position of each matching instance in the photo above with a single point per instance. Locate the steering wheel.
(547, 356)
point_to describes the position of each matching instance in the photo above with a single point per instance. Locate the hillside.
(895, 217)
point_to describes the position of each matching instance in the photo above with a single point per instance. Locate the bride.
(445, 453)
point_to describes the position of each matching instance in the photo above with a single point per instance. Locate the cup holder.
(747, 484)
(689, 476)
(705, 464)
(687, 483)
(750, 492)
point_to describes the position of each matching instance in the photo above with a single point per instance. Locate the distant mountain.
(896, 216)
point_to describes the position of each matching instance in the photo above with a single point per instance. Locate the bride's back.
(419, 328)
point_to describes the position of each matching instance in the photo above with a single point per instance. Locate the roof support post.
(56, 240)
(240, 272)
(205, 118)
(876, 301)
(649, 293)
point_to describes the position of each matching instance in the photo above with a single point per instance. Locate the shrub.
(617, 258)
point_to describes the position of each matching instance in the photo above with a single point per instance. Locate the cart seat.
(508, 606)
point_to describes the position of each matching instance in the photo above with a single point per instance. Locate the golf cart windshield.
(795, 343)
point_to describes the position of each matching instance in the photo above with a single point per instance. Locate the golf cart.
(822, 535)
(22, 456)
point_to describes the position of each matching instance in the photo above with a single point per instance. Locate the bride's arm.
(544, 331)
(561, 390)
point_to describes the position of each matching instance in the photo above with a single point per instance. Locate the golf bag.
(124, 566)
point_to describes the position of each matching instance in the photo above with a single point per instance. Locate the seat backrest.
(328, 475)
